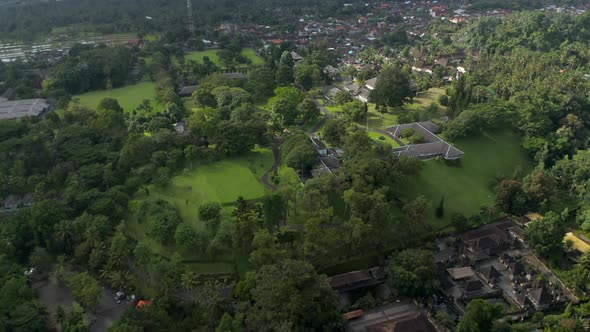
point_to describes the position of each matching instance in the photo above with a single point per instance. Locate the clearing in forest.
(222, 181)
(129, 96)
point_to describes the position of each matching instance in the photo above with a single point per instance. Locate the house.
(540, 297)
(13, 109)
(357, 279)
(188, 90)
(490, 275)
(404, 316)
(372, 83)
(459, 273)
(296, 57)
(330, 92)
(472, 287)
(422, 67)
(516, 270)
(517, 233)
(432, 146)
(363, 95)
(506, 259)
(417, 322)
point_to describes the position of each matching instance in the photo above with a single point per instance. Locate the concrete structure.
(13, 109)
(433, 145)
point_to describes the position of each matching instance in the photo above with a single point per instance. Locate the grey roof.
(541, 296)
(433, 146)
(236, 76)
(188, 90)
(352, 87)
(296, 56)
(372, 83)
(365, 94)
(317, 143)
(429, 150)
(490, 273)
(330, 91)
(330, 162)
(355, 277)
(20, 108)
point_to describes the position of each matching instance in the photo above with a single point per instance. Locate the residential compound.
(493, 262)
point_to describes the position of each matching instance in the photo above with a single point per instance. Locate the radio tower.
(191, 25)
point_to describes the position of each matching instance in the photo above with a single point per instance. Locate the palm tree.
(189, 280)
(64, 233)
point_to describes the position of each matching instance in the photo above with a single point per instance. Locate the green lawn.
(378, 120)
(222, 182)
(426, 98)
(466, 186)
(383, 138)
(129, 96)
(212, 54)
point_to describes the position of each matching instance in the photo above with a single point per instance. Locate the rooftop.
(461, 272)
(12, 109)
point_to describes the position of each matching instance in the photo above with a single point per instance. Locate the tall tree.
(412, 272)
(545, 235)
(290, 295)
(479, 316)
(393, 87)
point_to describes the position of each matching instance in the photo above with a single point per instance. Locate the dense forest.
(91, 171)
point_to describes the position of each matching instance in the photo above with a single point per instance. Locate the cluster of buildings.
(492, 262)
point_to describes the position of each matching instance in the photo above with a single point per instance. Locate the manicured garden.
(383, 138)
(467, 185)
(129, 96)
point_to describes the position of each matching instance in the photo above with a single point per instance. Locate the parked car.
(119, 296)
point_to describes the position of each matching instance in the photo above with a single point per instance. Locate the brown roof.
(461, 272)
(417, 322)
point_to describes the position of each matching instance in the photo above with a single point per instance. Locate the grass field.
(129, 97)
(212, 54)
(426, 98)
(466, 186)
(222, 182)
(377, 137)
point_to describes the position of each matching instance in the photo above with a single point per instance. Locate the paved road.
(275, 150)
(326, 115)
(265, 178)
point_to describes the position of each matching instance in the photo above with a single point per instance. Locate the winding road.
(265, 179)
